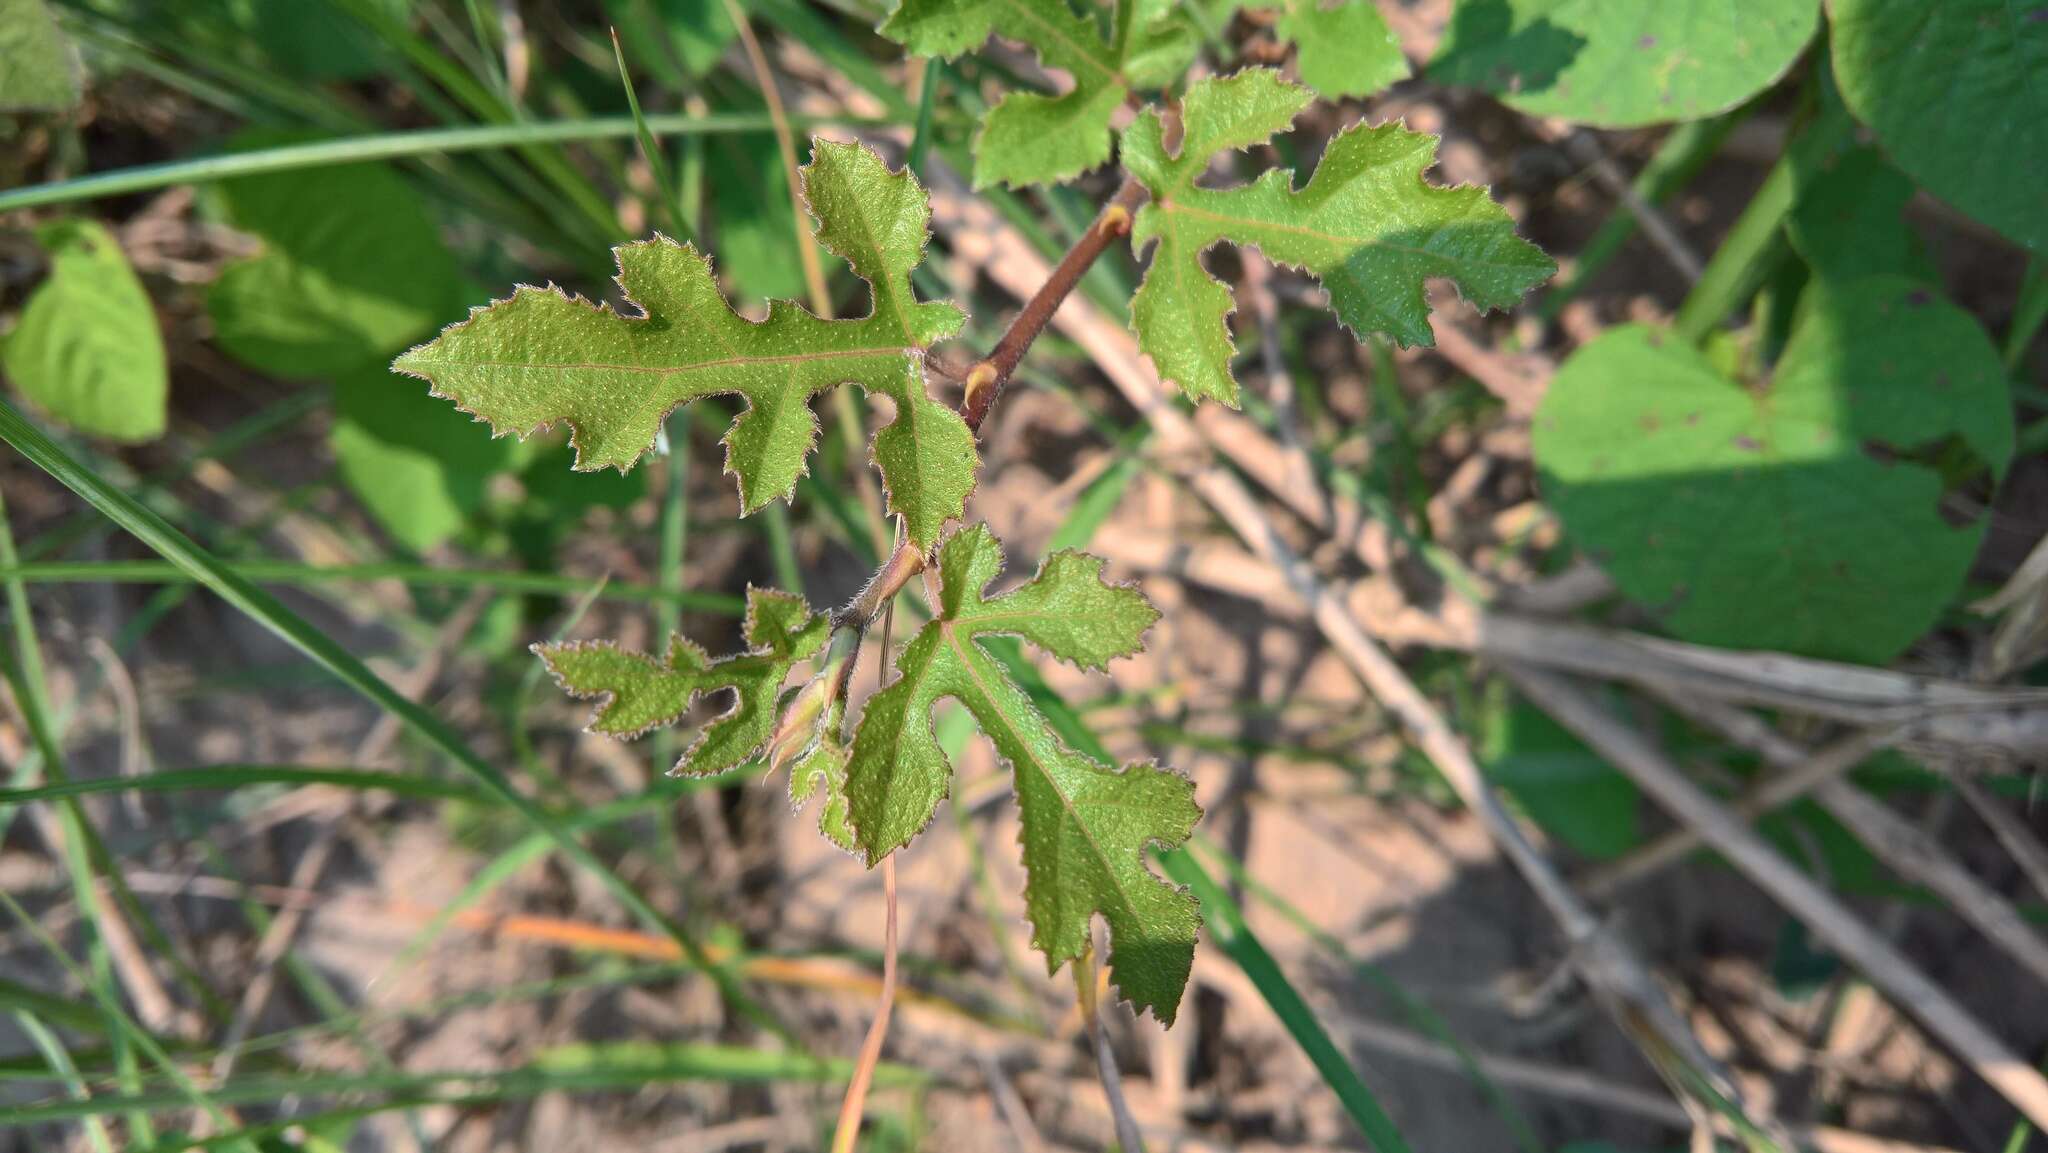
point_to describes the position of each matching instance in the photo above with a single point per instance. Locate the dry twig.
(1858, 944)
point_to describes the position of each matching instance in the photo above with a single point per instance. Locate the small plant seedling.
(1804, 459)
(1366, 223)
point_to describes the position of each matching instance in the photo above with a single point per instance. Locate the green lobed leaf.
(1849, 220)
(640, 694)
(38, 69)
(1955, 93)
(352, 269)
(1345, 49)
(1030, 137)
(1622, 63)
(542, 357)
(821, 768)
(87, 350)
(1801, 513)
(1086, 827)
(1366, 224)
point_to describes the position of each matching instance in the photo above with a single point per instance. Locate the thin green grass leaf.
(266, 610)
(418, 575)
(618, 1066)
(230, 777)
(650, 148)
(425, 142)
(52, 1048)
(1228, 930)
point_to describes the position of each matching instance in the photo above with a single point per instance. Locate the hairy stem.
(985, 383)
(1128, 1138)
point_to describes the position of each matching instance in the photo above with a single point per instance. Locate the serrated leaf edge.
(605, 697)
(1002, 563)
(1053, 965)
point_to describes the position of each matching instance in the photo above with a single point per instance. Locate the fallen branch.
(1727, 835)
(1899, 843)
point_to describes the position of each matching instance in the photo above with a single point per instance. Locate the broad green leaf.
(38, 69)
(352, 269)
(640, 694)
(1800, 513)
(1366, 224)
(1956, 93)
(1849, 220)
(1345, 49)
(87, 350)
(318, 42)
(542, 357)
(1086, 827)
(1620, 63)
(1567, 788)
(1030, 137)
(420, 467)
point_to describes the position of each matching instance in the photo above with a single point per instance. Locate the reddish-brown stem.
(985, 382)
(847, 1131)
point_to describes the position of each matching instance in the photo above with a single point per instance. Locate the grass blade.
(228, 777)
(1227, 930)
(291, 573)
(618, 1066)
(392, 146)
(266, 610)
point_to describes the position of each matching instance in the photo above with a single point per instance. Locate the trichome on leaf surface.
(1366, 223)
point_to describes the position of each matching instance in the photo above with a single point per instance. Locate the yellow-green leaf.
(543, 357)
(639, 693)
(1086, 827)
(87, 351)
(1032, 137)
(1366, 224)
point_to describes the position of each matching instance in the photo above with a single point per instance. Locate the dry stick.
(1780, 790)
(1636, 1001)
(1934, 709)
(1258, 286)
(1581, 146)
(1899, 843)
(1009, 1106)
(2019, 840)
(848, 1130)
(1578, 1085)
(1858, 944)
